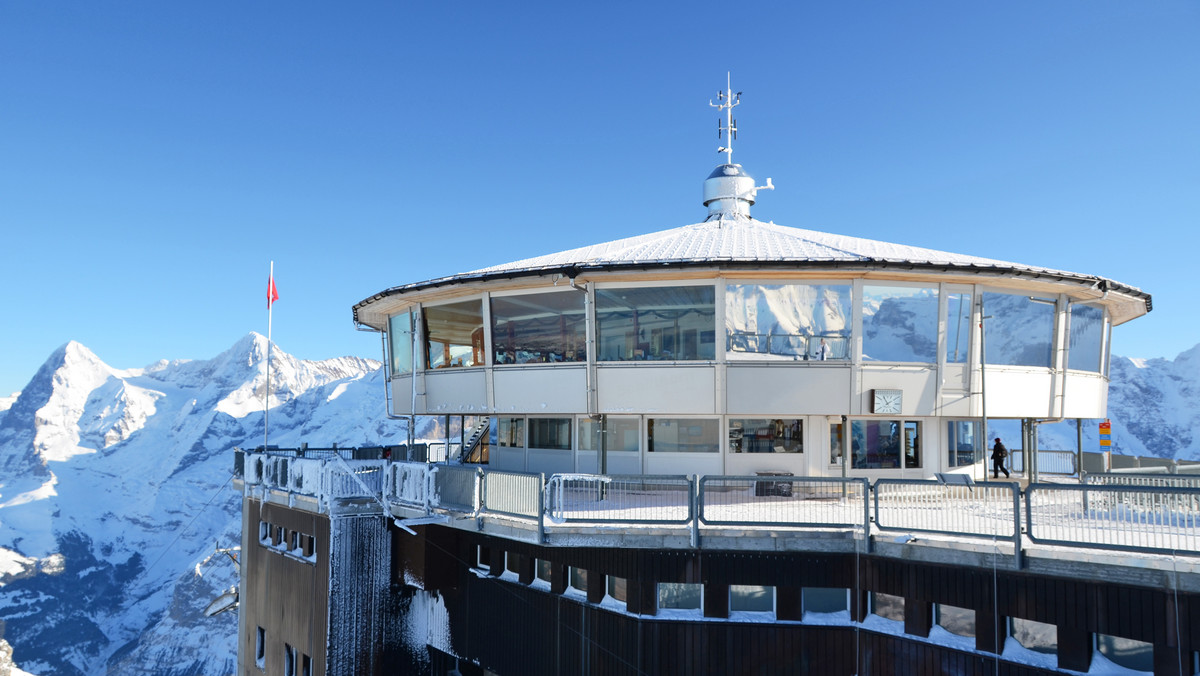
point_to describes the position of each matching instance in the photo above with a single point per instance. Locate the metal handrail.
(1128, 518)
(634, 498)
(1164, 517)
(808, 501)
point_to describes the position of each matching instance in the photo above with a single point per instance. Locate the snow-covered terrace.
(1053, 526)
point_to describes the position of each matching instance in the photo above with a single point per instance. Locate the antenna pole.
(729, 101)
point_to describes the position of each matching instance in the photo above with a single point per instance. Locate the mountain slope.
(116, 484)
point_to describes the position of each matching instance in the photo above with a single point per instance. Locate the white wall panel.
(543, 389)
(657, 390)
(456, 391)
(788, 390)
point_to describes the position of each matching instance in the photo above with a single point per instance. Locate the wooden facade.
(511, 627)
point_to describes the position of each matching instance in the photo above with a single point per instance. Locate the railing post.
(541, 499)
(694, 513)
(1017, 554)
(478, 498)
(867, 512)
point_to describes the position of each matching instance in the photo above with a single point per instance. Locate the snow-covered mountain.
(115, 484)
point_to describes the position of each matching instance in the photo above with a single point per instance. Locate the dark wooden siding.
(511, 628)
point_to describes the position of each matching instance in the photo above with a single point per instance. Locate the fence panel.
(635, 498)
(977, 510)
(409, 484)
(783, 501)
(1134, 518)
(512, 493)
(455, 487)
(354, 478)
(1065, 463)
(1144, 479)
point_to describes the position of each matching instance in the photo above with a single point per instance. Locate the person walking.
(999, 453)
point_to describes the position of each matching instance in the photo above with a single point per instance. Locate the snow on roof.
(743, 241)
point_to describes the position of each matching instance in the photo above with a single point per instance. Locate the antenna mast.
(729, 101)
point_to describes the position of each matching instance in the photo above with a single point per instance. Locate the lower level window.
(683, 435)
(964, 442)
(1126, 652)
(680, 595)
(550, 433)
(752, 598)
(956, 620)
(766, 435)
(885, 444)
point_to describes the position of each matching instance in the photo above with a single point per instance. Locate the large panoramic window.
(766, 435)
(1087, 338)
(657, 323)
(613, 434)
(400, 334)
(683, 435)
(884, 444)
(900, 323)
(539, 328)
(1018, 330)
(787, 321)
(958, 327)
(964, 442)
(454, 334)
(550, 433)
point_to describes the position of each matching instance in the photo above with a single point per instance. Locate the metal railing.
(990, 509)
(455, 488)
(1065, 463)
(635, 498)
(783, 501)
(1130, 518)
(1132, 512)
(1157, 479)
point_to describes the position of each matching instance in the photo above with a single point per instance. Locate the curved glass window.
(787, 321)
(454, 334)
(683, 435)
(1087, 338)
(958, 327)
(539, 328)
(1018, 330)
(657, 323)
(763, 435)
(400, 334)
(900, 323)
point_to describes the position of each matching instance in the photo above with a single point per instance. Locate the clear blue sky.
(157, 155)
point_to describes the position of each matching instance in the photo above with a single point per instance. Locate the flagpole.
(267, 396)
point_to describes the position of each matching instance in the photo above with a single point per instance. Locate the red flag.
(272, 292)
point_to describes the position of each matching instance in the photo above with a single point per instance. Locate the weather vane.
(729, 101)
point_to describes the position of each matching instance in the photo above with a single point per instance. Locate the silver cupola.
(729, 190)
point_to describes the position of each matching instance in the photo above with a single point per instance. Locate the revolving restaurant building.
(736, 346)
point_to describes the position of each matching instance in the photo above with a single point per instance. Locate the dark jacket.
(999, 452)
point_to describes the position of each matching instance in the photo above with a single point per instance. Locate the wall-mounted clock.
(886, 401)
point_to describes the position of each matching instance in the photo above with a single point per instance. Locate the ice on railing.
(409, 483)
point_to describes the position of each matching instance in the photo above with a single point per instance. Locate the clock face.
(887, 401)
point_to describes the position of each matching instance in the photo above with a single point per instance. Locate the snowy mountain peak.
(123, 477)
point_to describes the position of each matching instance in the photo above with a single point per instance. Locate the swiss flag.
(272, 292)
